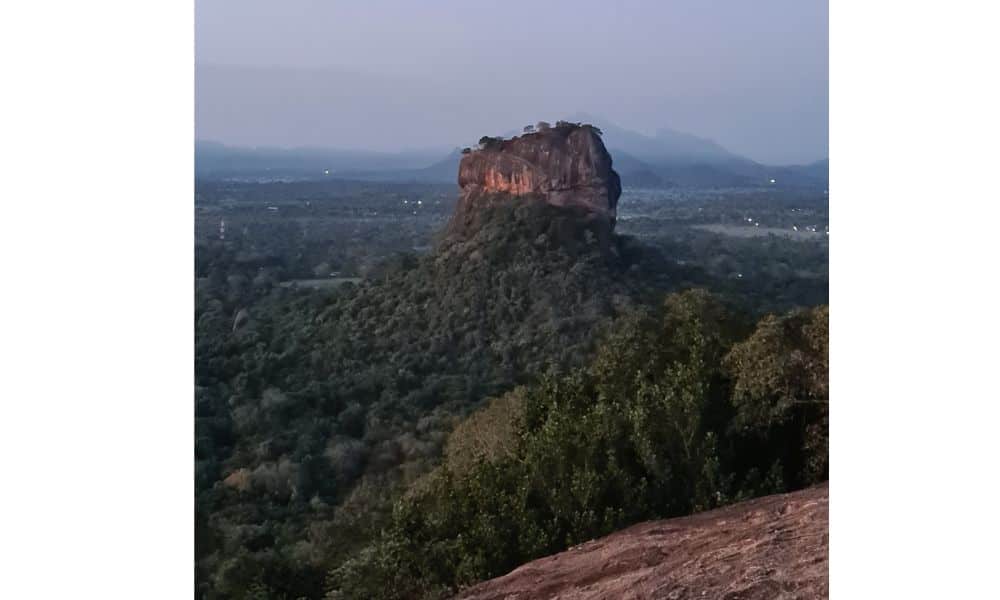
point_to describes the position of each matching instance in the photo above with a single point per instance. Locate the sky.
(392, 75)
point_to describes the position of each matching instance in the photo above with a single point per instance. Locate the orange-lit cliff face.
(517, 182)
(563, 166)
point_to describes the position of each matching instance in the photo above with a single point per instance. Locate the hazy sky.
(391, 74)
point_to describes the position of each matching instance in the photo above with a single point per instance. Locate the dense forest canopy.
(668, 419)
(374, 404)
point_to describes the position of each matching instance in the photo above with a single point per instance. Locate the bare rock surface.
(773, 548)
(563, 166)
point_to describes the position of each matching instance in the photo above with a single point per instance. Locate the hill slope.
(771, 547)
(324, 400)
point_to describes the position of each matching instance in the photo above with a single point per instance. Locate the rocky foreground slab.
(773, 548)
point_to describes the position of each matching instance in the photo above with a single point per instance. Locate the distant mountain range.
(667, 159)
(673, 158)
(215, 159)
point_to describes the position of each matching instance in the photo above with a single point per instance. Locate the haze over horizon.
(390, 75)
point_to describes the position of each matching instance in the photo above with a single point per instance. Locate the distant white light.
(406, 201)
(795, 227)
(420, 201)
(326, 171)
(772, 181)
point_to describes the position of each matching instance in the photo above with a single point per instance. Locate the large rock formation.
(564, 166)
(771, 547)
